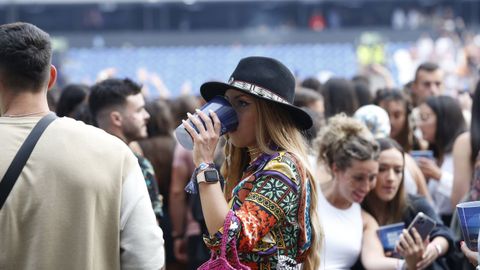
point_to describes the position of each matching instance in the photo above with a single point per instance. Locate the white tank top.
(409, 183)
(343, 231)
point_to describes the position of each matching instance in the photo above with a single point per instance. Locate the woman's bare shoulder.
(463, 140)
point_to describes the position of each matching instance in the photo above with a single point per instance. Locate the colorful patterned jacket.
(271, 221)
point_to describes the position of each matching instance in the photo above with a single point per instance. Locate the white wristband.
(401, 265)
(439, 249)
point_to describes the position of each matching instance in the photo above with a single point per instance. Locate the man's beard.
(133, 134)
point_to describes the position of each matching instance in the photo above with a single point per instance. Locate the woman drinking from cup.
(268, 187)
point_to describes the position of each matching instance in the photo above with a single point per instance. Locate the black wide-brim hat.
(265, 78)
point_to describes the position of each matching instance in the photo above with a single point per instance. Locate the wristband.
(439, 249)
(203, 166)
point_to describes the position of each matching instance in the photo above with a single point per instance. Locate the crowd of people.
(305, 181)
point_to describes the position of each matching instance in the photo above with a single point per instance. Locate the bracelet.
(203, 166)
(401, 265)
(439, 249)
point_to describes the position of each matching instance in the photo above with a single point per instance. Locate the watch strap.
(201, 177)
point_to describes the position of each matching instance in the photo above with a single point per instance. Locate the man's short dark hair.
(25, 56)
(306, 96)
(110, 93)
(312, 83)
(428, 67)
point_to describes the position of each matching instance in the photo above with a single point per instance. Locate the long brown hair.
(405, 138)
(394, 209)
(274, 125)
(450, 124)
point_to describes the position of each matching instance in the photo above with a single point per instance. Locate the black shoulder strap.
(20, 159)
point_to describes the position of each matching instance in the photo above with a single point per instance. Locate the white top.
(343, 231)
(441, 190)
(312, 159)
(141, 239)
(409, 183)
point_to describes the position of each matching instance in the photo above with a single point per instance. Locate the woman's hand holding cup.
(205, 141)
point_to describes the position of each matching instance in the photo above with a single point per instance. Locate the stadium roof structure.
(138, 1)
(192, 2)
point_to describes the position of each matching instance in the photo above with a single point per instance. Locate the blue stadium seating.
(195, 65)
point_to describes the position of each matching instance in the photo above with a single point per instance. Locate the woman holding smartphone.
(388, 203)
(465, 156)
(441, 122)
(350, 151)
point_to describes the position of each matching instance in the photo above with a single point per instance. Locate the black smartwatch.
(207, 174)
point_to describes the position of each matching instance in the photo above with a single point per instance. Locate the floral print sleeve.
(266, 221)
(152, 186)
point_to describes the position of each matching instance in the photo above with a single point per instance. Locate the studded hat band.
(257, 90)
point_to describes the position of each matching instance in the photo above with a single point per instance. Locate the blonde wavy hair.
(345, 139)
(274, 124)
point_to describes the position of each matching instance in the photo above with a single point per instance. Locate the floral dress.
(271, 214)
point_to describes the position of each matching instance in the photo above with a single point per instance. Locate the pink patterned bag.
(221, 263)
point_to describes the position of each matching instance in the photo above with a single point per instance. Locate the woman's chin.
(234, 141)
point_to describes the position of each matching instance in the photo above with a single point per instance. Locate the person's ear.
(53, 77)
(335, 169)
(116, 118)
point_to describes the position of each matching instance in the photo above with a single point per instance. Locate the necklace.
(254, 152)
(25, 114)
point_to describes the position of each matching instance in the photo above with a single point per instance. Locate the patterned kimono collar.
(262, 159)
(260, 162)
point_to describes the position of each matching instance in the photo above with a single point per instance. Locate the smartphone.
(423, 224)
(416, 154)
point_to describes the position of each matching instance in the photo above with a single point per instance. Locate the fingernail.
(189, 114)
(197, 110)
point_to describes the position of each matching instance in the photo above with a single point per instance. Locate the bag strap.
(226, 226)
(20, 159)
(233, 242)
(234, 251)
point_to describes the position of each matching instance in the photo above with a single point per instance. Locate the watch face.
(211, 176)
